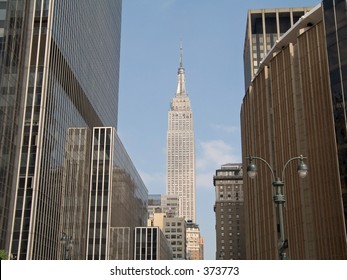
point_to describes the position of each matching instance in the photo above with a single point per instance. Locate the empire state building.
(181, 149)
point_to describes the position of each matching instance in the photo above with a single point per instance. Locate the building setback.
(229, 211)
(288, 110)
(264, 27)
(180, 178)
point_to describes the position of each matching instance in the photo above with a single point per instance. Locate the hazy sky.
(212, 34)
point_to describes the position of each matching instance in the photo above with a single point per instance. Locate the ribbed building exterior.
(75, 194)
(264, 27)
(117, 199)
(288, 110)
(181, 150)
(151, 244)
(229, 211)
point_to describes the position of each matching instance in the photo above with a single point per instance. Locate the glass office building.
(59, 66)
(121, 239)
(75, 193)
(11, 65)
(151, 244)
(118, 198)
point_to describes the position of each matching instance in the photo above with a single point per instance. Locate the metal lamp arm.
(290, 160)
(267, 164)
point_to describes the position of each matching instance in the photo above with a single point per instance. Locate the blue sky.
(212, 34)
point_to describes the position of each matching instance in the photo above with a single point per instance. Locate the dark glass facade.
(75, 193)
(335, 19)
(12, 38)
(118, 197)
(59, 66)
(151, 244)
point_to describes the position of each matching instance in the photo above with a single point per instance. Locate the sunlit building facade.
(180, 178)
(294, 106)
(195, 242)
(174, 229)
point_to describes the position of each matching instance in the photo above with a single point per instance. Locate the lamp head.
(251, 169)
(302, 168)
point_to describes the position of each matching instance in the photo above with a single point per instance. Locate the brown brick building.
(229, 209)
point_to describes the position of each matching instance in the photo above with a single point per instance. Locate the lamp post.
(67, 240)
(279, 198)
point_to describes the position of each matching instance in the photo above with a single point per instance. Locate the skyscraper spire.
(181, 65)
(180, 180)
(181, 85)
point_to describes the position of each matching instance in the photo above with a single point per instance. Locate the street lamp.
(67, 240)
(279, 197)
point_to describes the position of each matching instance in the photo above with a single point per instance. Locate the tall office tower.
(264, 27)
(117, 198)
(59, 67)
(229, 209)
(295, 106)
(180, 178)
